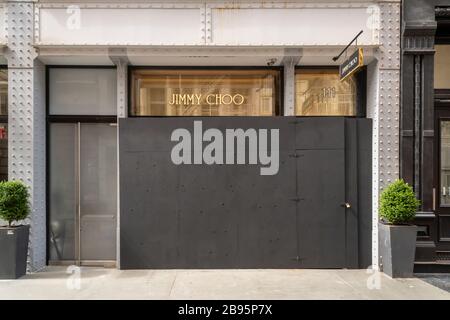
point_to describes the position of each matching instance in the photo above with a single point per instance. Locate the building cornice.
(418, 37)
(442, 12)
(418, 44)
(422, 28)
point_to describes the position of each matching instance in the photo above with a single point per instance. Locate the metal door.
(321, 220)
(230, 216)
(98, 192)
(83, 193)
(321, 195)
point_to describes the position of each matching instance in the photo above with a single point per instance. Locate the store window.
(82, 164)
(442, 67)
(320, 92)
(3, 124)
(205, 92)
(83, 91)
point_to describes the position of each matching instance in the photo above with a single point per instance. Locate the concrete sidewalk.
(97, 283)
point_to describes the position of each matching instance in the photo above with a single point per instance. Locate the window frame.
(279, 85)
(64, 119)
(361, 90)
(73, 117)
(442, 37)
(442, 93)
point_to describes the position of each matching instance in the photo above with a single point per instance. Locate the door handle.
(434, 199)
(346, 205)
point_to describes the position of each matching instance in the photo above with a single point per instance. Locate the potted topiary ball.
(397, 234)
(14, 207)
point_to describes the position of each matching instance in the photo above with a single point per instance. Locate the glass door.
(98, 191)
(443, 179)
(83, 193)
(63, 197)
(444, 170)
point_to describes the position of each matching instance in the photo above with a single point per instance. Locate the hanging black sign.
(352, 64)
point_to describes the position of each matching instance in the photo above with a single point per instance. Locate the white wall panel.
(106, 26)
(206, 23)
(290, 26)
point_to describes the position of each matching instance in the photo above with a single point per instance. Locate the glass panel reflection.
(442, 67)
(98, 188)
(204, 92)
(63, 191)
(82, 91)
(320, 93)
(445, 163)
(84, 179)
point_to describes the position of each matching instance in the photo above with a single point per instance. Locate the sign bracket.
(345, 49)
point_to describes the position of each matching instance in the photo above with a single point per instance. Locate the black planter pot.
(397, 249)
(13, 251)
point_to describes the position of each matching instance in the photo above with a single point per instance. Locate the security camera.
(271, 62)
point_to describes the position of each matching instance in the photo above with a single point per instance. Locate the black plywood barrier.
(231, 215)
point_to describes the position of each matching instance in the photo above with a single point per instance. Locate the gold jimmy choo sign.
(210, 99)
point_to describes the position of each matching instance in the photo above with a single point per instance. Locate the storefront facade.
(424, 125)
(98, 114)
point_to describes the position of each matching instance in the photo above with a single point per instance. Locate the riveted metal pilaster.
(20, 20)
(38, 250)
(289, 87)
(373, 112)
(389, 126)
(122, 112)
(290, 60)
(26, 97)
(389, 51)
(122, 89)
(119, 56)
(383, 107)
(3, 26)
